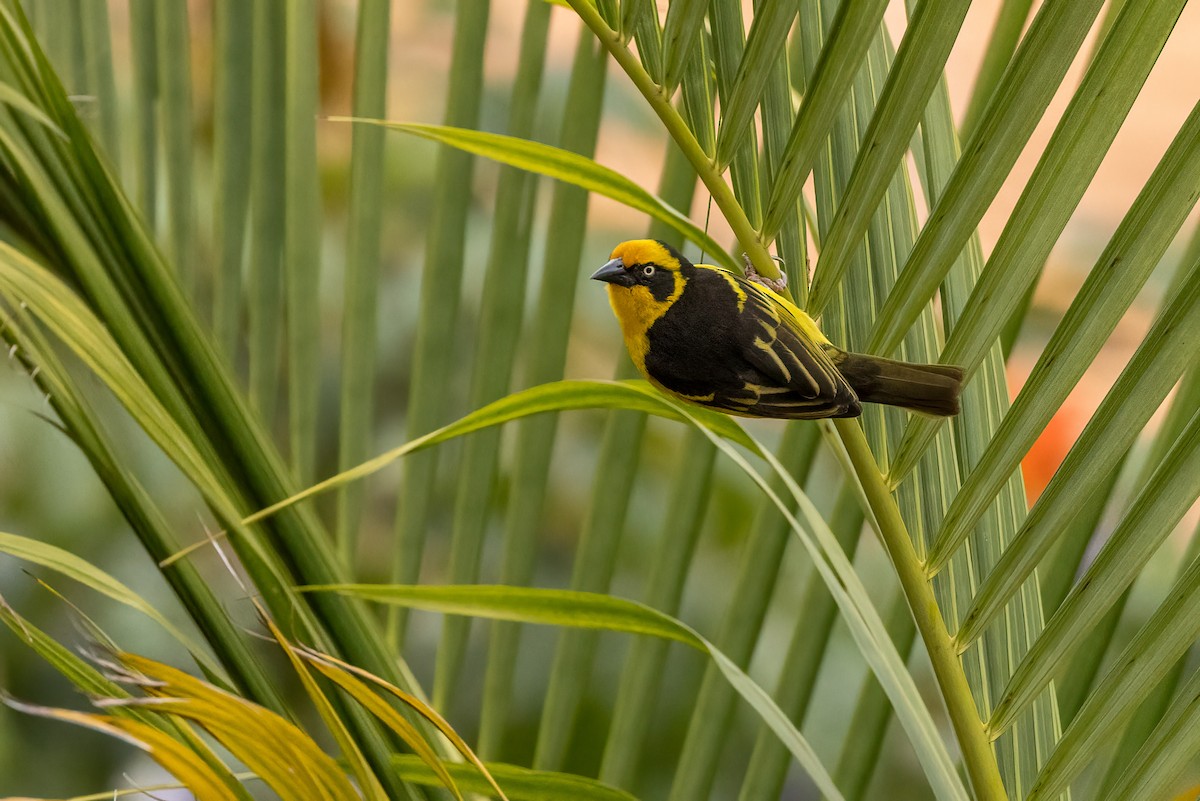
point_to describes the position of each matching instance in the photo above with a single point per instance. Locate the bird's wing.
(793, 365)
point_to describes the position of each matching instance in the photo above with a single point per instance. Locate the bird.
(711, 337)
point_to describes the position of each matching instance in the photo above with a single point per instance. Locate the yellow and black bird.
(708, 336)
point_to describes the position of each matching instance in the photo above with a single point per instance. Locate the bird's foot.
(776, 285)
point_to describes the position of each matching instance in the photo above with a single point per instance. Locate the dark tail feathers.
(924, 388)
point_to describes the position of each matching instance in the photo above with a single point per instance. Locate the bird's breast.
(636, 310)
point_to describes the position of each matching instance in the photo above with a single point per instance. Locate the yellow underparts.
(636, 310)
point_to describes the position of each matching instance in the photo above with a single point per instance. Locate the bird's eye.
(648, 270)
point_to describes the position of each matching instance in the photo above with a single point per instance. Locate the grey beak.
(611, 272)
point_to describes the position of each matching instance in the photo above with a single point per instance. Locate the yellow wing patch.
(737, 289)
(768, 347)
(783, 307)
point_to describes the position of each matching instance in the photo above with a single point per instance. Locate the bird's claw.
(776, 285)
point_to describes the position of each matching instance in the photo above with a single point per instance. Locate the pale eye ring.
(648, 270)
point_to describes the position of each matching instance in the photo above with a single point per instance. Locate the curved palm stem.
(978, 755)
(660, 101)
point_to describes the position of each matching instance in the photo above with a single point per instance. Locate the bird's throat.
(636, 310)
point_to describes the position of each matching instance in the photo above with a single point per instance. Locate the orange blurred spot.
(1047, 454)
(1056, 439)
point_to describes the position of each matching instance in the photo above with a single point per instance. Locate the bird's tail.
(931, 389)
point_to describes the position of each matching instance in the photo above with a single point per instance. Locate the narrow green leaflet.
(841, 57)
(1006, 34)
(778, 111)
(429, 390)
(685, 22)
(558, 396)
(173, 97)
(500, 316)
(868, 629)
(364, 246)
(1171, 630)
(915, 73)
(1126, 263)
(1170, 345)
(766, 40)
(19, 102)
(639, 18)
(269, 202)
(232, 55)
(698, 97)
(589, 611)
(562, 165)
(73, 567)
(302, 233)
(1028, 85)
(1063, 173)
(1168, 751)
(73, 668)
(100, 78)
(1162, 503)
(583, 610)
(144, 66)
(728, 37)
(520, 784)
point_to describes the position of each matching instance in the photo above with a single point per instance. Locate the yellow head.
(644, 278)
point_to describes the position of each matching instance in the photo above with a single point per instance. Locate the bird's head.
(644, 278)
(645, 272)
(642, 262)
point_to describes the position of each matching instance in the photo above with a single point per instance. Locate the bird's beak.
(613, 272)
